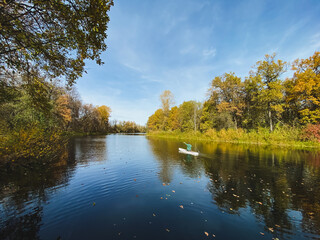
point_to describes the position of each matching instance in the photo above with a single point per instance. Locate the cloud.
(209, 52)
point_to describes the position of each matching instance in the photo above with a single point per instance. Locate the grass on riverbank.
(282, 137)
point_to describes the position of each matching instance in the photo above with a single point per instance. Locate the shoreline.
(197, 136)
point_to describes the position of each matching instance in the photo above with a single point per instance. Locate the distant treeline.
(262, 100)
(126, 127)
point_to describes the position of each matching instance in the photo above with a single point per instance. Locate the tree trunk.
(195, 119)
(270, 120)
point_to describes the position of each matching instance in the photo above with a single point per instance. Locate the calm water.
(134, 187)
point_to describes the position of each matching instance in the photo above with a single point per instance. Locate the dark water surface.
(135, 187)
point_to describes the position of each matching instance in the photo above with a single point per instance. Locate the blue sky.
(181, 45)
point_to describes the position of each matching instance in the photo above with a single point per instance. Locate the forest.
(262, 107)
(43, 49)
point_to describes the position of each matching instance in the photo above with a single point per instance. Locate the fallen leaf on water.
(271, 229)
(260, 203)
(153, 214)
(161, 197)
(231, 209)
(173, 191)
(181, 206)
(167, 230)
(213, 235)
(134, 179)
(207, 234)
(93, 203)
(262, 233)
(163, 184)
(277, 225)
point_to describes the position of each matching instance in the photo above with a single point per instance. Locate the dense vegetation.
(43, 48)
(33, 127)
(126, 127)
(262, 108)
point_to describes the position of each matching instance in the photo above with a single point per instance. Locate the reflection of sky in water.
(122, 187)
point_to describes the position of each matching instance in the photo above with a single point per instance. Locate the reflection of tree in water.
(271, 182)
(22, 227)
(24, 191)
(93, 149)
(168, 156)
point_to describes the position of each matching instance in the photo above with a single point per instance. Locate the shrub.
(311, 133)
(31, 142)
(211, 133)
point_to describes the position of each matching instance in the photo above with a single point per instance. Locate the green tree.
(207, 119)
(227, 89)
(54, 36)
(189, 115)
(271, 87)
(254, 112)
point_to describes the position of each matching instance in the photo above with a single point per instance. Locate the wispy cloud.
(211, 52)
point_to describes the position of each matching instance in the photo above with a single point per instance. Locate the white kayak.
(185, 151)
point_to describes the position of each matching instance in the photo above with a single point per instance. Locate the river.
(139, 187)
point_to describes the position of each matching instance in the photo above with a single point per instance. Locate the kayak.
(185, 151)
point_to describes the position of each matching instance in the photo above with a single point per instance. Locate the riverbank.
(289, 138)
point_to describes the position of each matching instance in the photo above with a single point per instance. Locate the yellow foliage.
(62, 108)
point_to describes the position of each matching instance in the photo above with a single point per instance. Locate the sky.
(181, 45)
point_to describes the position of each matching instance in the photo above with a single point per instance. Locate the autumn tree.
(62, 110)
(271, 87)
(173, 120)
(167, 100)
(227, 89)
(155, 121)
(303, 90)
(53, 36)
(104, 114)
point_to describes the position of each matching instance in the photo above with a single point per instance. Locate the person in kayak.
(189, 146)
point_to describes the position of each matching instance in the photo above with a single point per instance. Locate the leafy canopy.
(55, 36)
